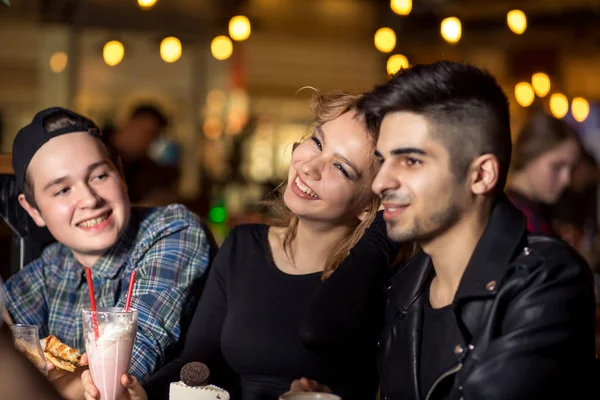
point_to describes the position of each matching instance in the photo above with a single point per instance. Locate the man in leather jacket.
(486, 311)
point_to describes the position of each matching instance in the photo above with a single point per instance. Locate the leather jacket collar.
(498, 245)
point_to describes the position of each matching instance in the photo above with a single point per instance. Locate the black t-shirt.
(440, 337)
(257, 319)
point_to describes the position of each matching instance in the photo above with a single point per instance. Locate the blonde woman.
(255, 318)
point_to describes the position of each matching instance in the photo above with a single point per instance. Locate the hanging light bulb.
(524, 94)
(385, 40)
(401, 7)
(113, 52)
(221, 48)
(580, 109)
(395, 63)
(58, 62)
(451, 30)
(541, 83)
(146, 4)
(170, 49)
(517, 21)
(239, 28)
(559, 105)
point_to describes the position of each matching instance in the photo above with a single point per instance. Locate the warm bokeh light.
(385, 40)
(559, 105)
(451, 30)
(170, 49)
(113, 52)
(146, 4)
(580, 109)
(541, 84)
(213, 128)
(59, 61)
(216, 100)
(221, 48)
(239, 28)
(401, 7)
(524, 94)
(395, 63)
(517, 21)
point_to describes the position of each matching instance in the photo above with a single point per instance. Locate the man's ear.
(485, 171)
(32, 211)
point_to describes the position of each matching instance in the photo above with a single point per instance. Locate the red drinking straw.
(88, 274)
(129, 291)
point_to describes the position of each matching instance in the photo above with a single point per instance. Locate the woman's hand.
(307, 385)
(133, 389)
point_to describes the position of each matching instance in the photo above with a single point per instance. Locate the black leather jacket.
(525, 309)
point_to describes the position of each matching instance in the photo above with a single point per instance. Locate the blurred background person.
(575, 215)
(544, 155)
(150, 181)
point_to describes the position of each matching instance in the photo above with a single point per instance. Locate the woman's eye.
(341, 168)
(102, 177)
(317, 142)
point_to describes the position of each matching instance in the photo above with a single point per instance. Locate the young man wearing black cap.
(71, 183)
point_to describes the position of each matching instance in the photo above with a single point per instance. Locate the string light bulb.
(559, 105)
(451, 30)
(541, 84)
(580, 109)
(401, 7)
(516, 21)
(385, 40)
(524, 94)
(395, 63)
(239, 28)
(170, 49)
(221, 48)
(113, 52)
(146, 4)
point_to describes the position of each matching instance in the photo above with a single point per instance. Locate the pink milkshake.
(109, 353)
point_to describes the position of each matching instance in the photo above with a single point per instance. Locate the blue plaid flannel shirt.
(168, 248)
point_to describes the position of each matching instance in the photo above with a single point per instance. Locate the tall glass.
(309, 396)
(109, 341)
(27, 341)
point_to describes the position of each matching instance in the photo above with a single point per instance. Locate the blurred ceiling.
(348, 19)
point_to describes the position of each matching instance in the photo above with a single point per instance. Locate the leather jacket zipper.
(446, 374)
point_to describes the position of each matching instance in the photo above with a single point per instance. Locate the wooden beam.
(6, 164)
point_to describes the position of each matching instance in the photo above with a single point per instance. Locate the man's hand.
(307, 385)
(68, 384)
(133, 389)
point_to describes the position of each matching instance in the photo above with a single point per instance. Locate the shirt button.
(458, 349)
(491, 285)
(526, 251)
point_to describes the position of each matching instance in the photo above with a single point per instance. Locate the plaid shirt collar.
(113, 260)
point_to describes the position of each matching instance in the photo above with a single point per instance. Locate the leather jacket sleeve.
(545, 342)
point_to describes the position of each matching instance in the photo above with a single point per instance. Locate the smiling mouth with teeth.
(94, 221)
(305, 188)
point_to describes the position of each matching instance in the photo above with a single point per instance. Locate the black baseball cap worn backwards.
(33, 136)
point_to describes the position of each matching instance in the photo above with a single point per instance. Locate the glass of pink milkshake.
(109, 335)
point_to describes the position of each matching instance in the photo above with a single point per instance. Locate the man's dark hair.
(54, 122)
(151, 111)
(467, 110)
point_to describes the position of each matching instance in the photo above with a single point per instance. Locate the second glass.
(27, 340)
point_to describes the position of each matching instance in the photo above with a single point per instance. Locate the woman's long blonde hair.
(327, 107)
